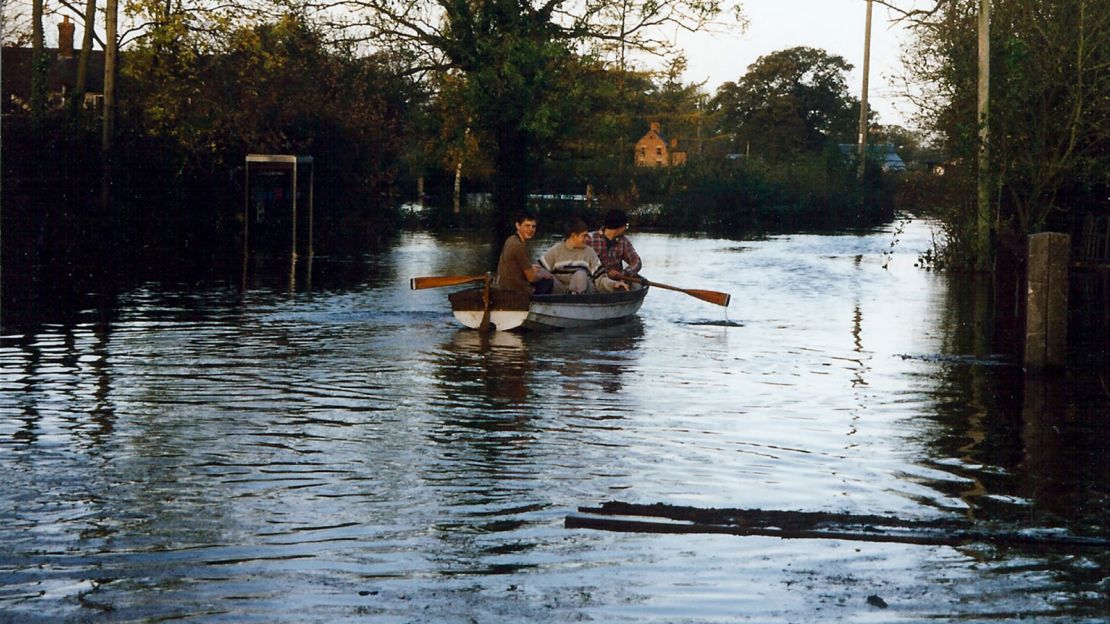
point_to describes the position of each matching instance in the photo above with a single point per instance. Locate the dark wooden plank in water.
(811, 525)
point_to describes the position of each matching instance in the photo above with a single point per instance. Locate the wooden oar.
(712, 296)
(418, 283)
(484, 325)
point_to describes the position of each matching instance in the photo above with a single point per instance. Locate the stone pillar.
(1046, 322)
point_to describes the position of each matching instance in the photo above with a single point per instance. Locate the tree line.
(1049, 125)
(520, 97)
(511, 97)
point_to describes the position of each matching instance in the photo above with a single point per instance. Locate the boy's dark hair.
(523, 215)
(616, 218)
(576, 226)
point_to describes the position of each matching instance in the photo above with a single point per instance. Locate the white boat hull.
(503, 320)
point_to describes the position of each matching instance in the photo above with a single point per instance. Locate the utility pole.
(863, 93)
(110, 62)
(983, 207)
(108, 130)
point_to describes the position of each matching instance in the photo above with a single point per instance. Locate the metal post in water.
(246, 221)
(311, 208)
(293, 245)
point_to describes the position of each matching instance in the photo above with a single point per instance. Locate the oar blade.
(711, 296)
(439, 281)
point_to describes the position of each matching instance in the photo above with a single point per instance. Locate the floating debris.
(876, 601)
(993, 359)
(724, 323)
(815, 525)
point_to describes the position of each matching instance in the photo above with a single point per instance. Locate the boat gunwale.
(616, 297)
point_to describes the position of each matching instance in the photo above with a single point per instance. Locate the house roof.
(882, 152)
(62, 73)
(655, 132)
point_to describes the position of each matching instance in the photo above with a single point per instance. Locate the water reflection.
(61, 367)
(1026, 444)
(345, 451)
(596, 359)
(493, 366)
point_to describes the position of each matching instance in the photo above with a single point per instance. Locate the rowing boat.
(511, 310)
(486, 306)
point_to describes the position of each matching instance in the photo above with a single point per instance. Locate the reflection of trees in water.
(308, 273)
(500, 370)
(1033, 449)
(81, 348)
(492, 388)
(1031, 446)
(490, 367)
(497, 395)
(597, 357)
(482, 431)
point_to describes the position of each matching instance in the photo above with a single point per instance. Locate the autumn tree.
(517, 58)
(198, 102)
(597, 146)
(681, 108)
(788, 103)
(1049, 122)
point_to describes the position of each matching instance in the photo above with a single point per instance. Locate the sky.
(836, 26)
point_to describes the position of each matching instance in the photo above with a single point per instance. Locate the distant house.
(933, 162)
(882, 153)
(653, 150)
(61, 73)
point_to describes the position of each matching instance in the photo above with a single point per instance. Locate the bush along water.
(732, 196)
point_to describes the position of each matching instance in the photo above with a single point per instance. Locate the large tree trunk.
(81, 83)
(510, 179)
(39, 65)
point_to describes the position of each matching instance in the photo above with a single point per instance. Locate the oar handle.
(438, 281)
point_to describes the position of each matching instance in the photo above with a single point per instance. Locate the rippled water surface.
(346, 452)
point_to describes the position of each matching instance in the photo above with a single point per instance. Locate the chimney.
(65, 38)
(655, 126)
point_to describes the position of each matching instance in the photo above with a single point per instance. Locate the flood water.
(345, 452)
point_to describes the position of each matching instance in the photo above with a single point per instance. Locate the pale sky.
(836, 26)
